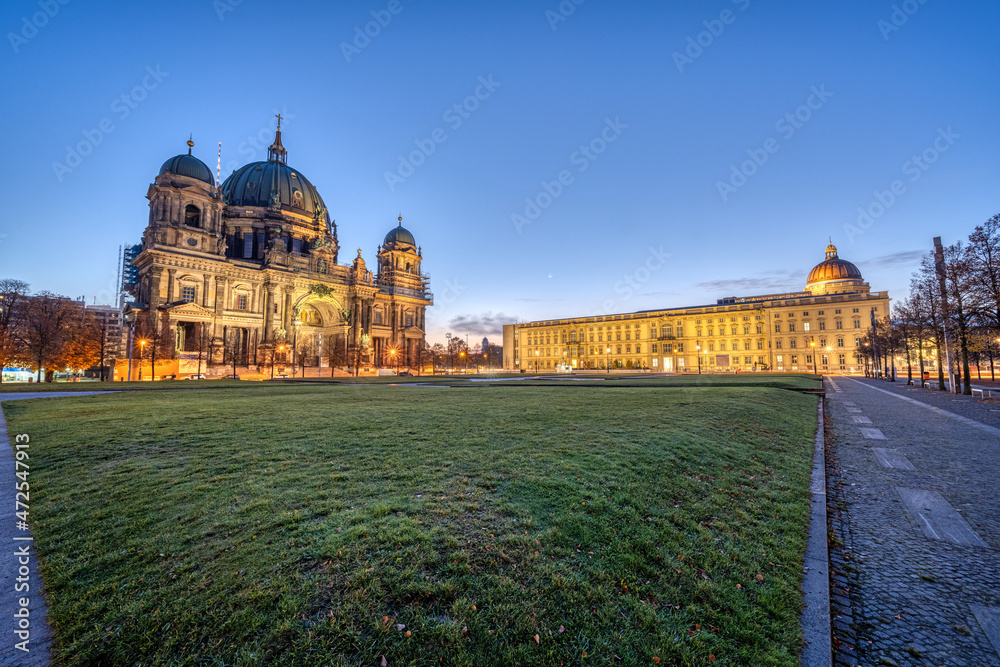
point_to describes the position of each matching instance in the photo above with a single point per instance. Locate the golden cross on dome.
(278, 116)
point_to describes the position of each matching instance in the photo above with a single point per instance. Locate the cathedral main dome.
(833, 271)
(272, 182)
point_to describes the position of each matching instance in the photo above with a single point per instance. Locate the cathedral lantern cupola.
(277, 152)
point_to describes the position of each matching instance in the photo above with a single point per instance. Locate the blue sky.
(643, 109)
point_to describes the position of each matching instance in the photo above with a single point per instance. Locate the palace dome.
(188, 165)
(272, 181)
(399, 234)
(833, 269)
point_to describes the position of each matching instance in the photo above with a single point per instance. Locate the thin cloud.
(771, 280)
(902, 258)
(485, 324)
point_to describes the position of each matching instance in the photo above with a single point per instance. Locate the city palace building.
(252, 266)
(819, 329)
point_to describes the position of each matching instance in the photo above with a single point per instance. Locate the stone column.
(154, 289)
(268, 311)
(204, 291)
(170, 284)
(287, 316)
(220, 294)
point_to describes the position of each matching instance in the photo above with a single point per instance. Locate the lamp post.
(281, 348)
(295, 345)
(462, 356)
(131, 339)
(392, 354)
(608, 352)
(536, 361)
(698, 350)
(142, 353)
(451, 362)
(812, 346)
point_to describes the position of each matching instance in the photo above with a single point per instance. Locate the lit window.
(805, 326)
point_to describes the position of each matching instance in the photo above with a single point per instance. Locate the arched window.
(192, 216)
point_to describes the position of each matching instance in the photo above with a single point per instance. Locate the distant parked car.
(196, 376)
(406, 374)
(230, 377)
(281, 376)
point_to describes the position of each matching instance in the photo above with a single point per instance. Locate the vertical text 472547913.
(22, 582)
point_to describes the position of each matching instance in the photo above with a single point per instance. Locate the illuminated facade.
(240, 268)
(819, 328)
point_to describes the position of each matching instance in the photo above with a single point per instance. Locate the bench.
(982, 394)
(931, 384)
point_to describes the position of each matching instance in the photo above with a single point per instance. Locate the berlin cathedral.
(252, 266)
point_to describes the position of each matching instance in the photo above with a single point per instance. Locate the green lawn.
(305, 525)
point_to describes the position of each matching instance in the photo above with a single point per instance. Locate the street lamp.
(142, 352)
(812, 344)
(462, 356)
(451, 361)
(295, 346)
(609, 356)
(281, 348)
(536, 360)
(392, 353)
(698, 349)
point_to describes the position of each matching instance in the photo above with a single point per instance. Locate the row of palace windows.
(711, 346)
(667, 330)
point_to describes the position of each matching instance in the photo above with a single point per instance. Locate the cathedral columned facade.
(252, 267)
(819, 329)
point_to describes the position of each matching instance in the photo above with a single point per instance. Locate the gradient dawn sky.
(552, 158)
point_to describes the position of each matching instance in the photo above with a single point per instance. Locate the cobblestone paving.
(901, 598)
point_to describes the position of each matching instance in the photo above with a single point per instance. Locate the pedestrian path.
(918, 484)
(19, 576)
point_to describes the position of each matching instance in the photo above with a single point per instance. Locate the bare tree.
(49, 321)
(12, 314)
(983, 255)
(150, 333)
(959, 279)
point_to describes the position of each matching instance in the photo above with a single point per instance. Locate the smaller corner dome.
(399, 234)
(190, 166)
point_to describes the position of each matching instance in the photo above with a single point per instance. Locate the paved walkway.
(916, 474)
(13, 544)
